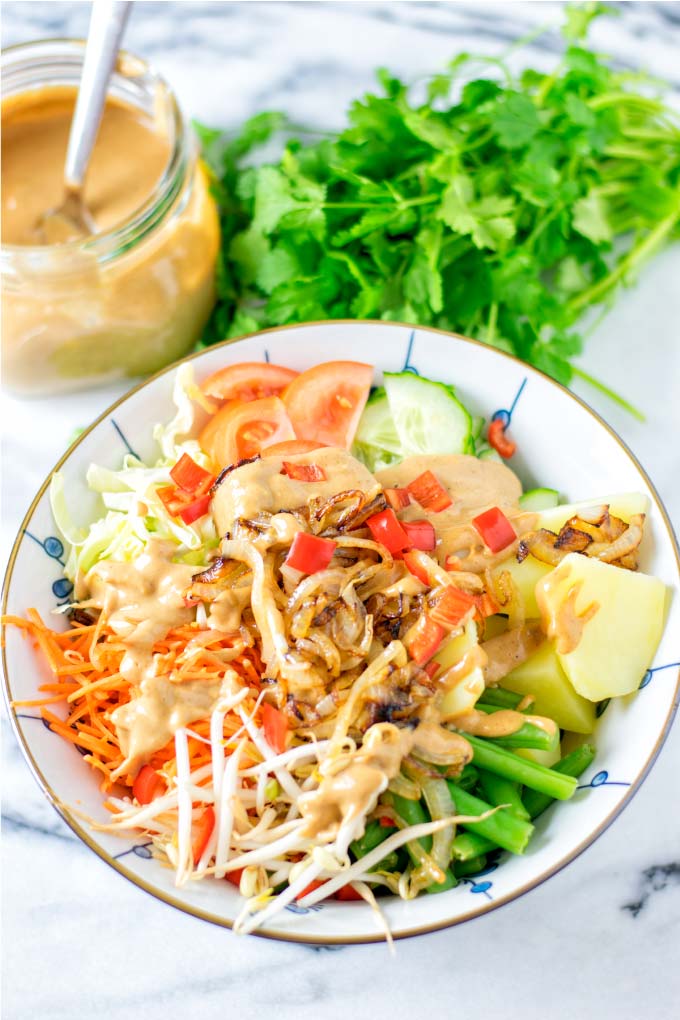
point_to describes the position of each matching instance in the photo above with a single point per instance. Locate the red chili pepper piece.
(427, 490)
(397, 498)
(304, 472)
(413, 563)
(495, 529)
(198, 508)
(190, 476)
(424, 639)
(387, 530)
(451, 606)
(421, 535)
(497, 438)
(309, 553)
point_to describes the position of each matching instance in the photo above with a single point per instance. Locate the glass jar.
(123, 302)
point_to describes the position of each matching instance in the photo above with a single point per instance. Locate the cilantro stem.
(625, 99)
(612, 394)
(404, 203)
(491, 323)
(637, 254)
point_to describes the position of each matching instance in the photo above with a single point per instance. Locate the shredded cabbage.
(133, 513)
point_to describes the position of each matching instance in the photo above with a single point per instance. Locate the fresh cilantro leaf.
(247, 250)
(486, 221)
(590, 218)
(515, 120)
(273, 198)
(579, 17)
(502, 207)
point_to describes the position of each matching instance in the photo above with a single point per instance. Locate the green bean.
(471, 867)
(413, 813)
(467, 845)
(488, 755)
(374, 835)
(468, 778)
(498, 790)
(498, 698)
(528, 735)
(573, 764)
(502, 827)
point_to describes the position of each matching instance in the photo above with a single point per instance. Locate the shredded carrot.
(85, 661)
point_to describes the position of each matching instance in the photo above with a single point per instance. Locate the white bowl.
(561, 444)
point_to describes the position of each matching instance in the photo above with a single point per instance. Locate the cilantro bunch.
(498, 208)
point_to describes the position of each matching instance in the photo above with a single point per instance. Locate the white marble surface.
(600, 939)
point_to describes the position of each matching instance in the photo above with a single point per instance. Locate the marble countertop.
(600, 939)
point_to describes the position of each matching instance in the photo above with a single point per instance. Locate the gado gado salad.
(325, 646)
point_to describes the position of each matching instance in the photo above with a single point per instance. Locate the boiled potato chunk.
(547, 758)
(524, 576)
(623, 505)
(463, 696)
(543, 677)
(606, 622)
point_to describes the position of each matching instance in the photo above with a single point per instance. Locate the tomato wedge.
(201, 833)
(240, 430)
(325, 403)
(147, 785)
(275, 727)
(313, 885)
(249, 380)
(235, 876)
(348, 892)
(291, 447)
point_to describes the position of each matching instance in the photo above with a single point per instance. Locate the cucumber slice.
(488, 453)
(427, 415)
(539, 499)
(376, 442)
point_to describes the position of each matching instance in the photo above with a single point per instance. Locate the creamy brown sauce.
(260, 486)
(159, 708)
(95, 310)
(437, 744)
(350, 786)
(143, 600)
(473, 485)
(226, 610)
(127, 162)
(561, 620)
(503, 723)
(506, 651)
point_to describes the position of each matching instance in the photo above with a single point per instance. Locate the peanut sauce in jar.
(135, 294)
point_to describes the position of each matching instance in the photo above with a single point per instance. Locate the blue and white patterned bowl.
(561, 444)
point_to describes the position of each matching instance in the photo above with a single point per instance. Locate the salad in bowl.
(323, 645)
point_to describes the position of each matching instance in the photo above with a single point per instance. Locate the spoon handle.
(107, 24)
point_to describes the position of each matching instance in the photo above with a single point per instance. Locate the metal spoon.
(72, 219)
